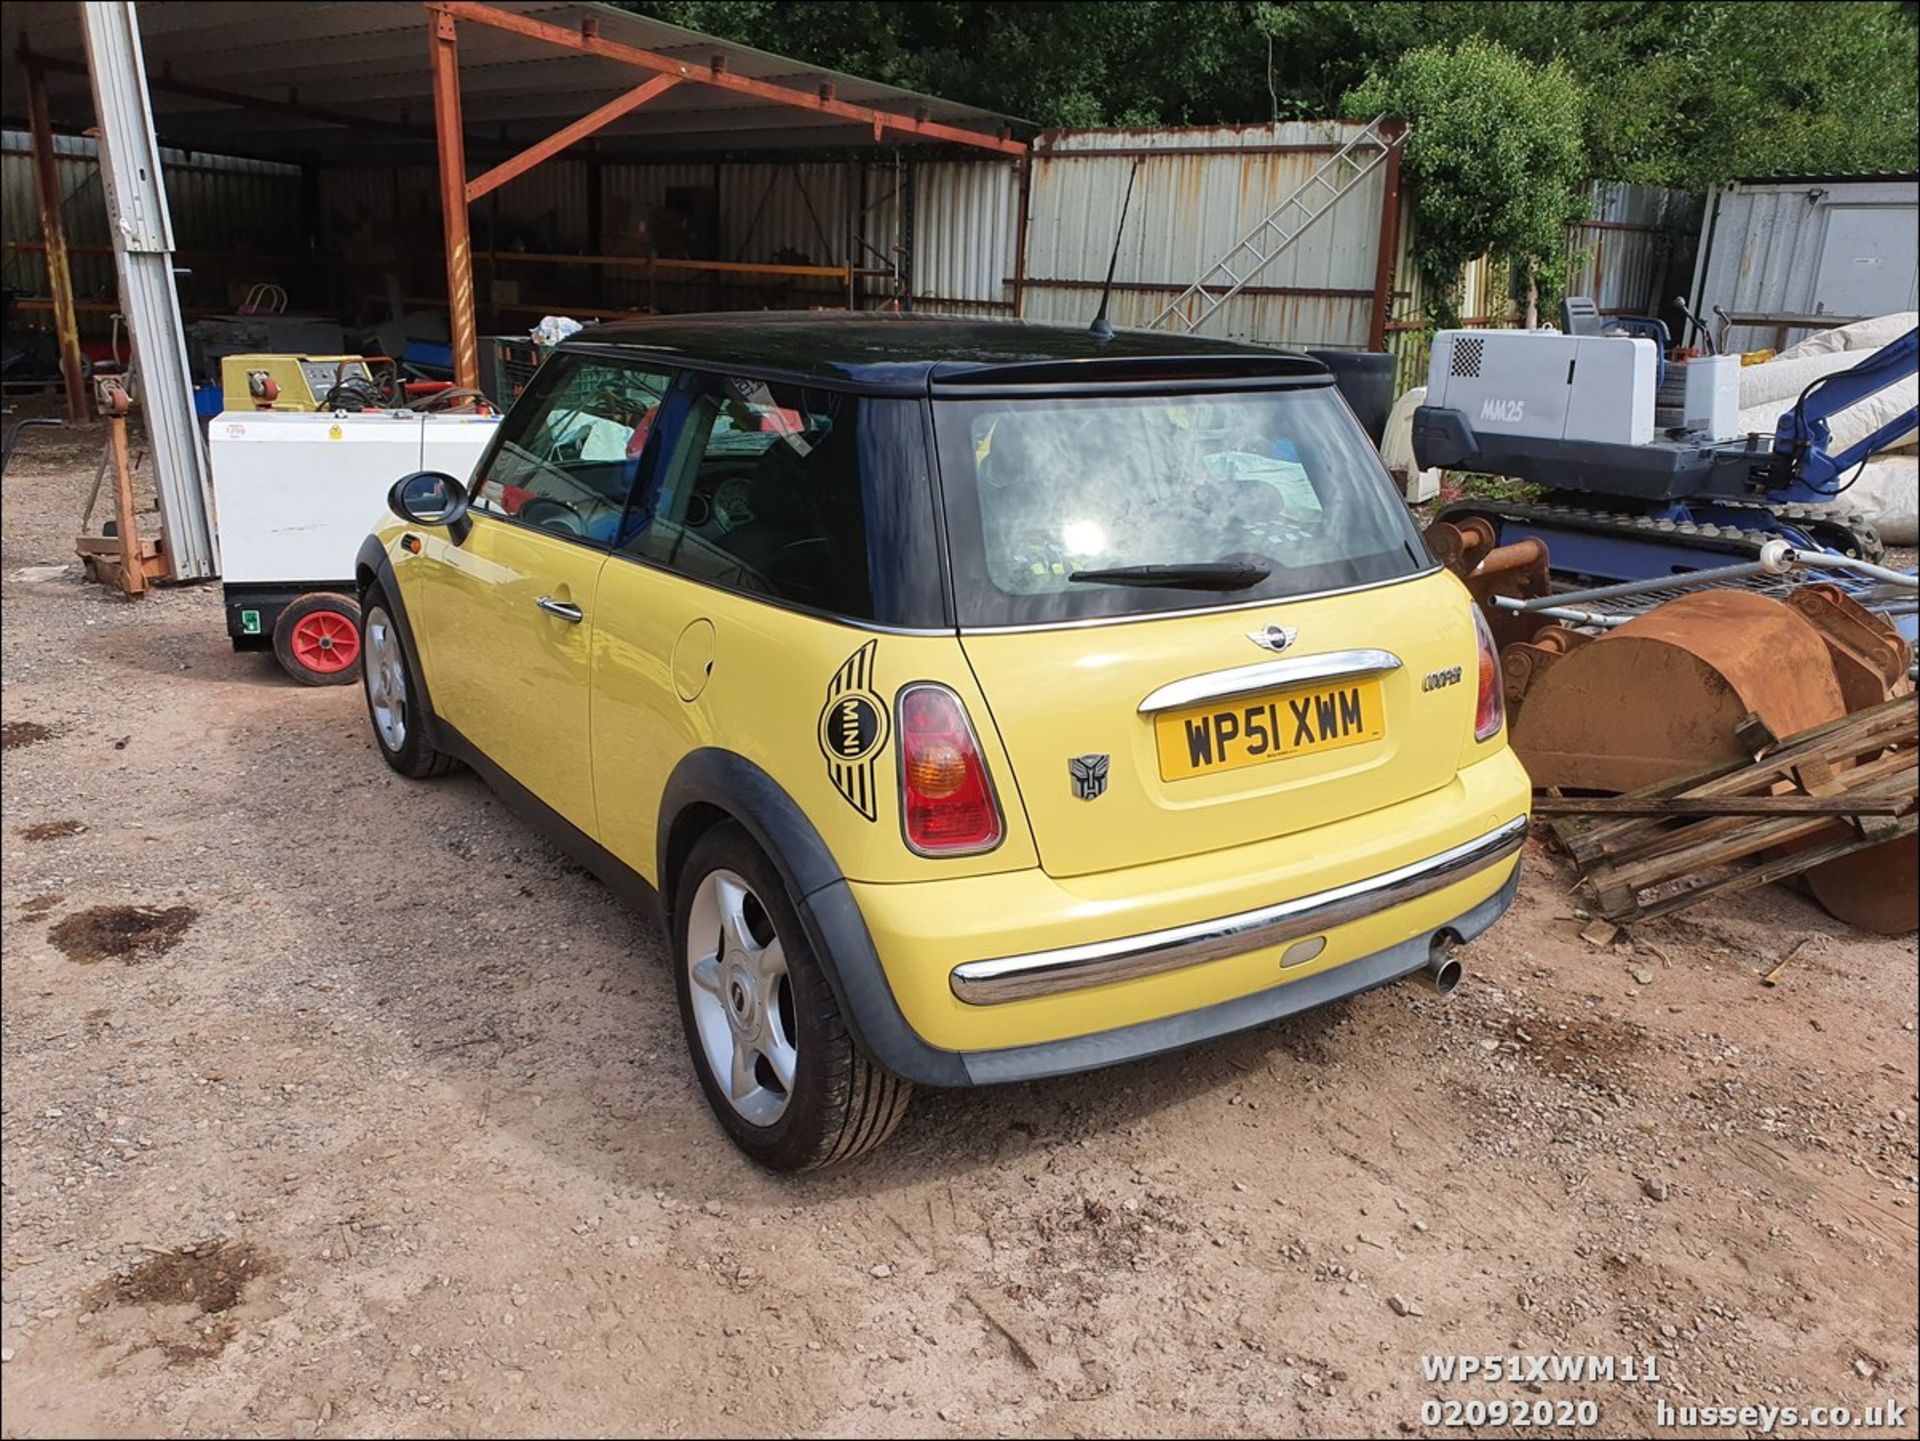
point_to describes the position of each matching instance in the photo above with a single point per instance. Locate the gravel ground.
(373, 1117)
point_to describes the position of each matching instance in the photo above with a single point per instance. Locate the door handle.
(572, 614)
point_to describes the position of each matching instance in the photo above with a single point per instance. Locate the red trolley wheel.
(317, 639)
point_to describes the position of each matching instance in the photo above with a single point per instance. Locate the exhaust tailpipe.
(1443, 971)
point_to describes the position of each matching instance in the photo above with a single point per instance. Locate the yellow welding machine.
(285, 382)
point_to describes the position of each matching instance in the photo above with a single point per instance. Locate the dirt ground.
(374, 1118)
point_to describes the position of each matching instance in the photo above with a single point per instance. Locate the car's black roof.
(878, 350)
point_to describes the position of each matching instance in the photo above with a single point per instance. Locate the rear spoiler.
(1127, 375)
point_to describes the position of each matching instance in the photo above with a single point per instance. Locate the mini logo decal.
(1089, 775)
(1275, 638)
(853, 731)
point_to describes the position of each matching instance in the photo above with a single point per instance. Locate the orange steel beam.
(594, 44)
(445, 51)
(560, 139)
(53, 231)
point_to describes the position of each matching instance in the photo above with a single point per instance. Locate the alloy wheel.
(386, 680)
(742, 997)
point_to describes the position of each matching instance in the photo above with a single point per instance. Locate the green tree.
(1683, 94)
(1069, 64)
(1496, 154)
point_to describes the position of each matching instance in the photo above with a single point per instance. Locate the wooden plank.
(1837, 805)
(1777, 869)
(110, 545)
(1889, 723)
(1896, 714)
(133, 574)
(1628, 840)
(1816, 777)
(1723, 847)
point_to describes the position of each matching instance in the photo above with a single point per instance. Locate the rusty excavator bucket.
(1700, 679)
(1666, 693)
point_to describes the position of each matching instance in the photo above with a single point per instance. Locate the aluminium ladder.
(1333, 178)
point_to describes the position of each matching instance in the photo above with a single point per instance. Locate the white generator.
(1547, 385)
(1602, 388)
(294, 496)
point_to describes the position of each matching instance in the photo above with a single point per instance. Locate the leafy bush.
(1497, 155)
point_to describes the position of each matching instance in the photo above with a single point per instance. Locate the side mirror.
(431, 497)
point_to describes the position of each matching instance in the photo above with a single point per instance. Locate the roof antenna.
(1102, 328)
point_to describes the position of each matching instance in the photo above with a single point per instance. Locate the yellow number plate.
(1251, 730)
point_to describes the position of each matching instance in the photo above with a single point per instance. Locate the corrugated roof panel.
(370, 59)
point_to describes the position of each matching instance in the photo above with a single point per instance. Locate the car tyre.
(317, 639)
(394, 704)
(779, 1068)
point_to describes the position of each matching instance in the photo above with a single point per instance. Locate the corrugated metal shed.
(1808, 246)
(759, 212)
(1198, 192)
(368, 59)
(235, 220)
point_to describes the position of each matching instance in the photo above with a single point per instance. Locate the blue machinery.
(1618, 512)
(1800, 462)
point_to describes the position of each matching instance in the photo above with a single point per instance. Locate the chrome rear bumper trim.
(1270, 675)
(1071, 968)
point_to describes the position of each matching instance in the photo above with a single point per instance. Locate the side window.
(760, 492)
(572, 447)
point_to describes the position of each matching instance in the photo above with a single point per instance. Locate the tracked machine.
(1639, 458)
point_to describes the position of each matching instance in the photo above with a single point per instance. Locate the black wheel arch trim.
(722, 783)
(371, 565)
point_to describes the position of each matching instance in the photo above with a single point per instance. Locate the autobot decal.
(853, 731)
(1089, 775)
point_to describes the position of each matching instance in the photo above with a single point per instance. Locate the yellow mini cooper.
(977, 701)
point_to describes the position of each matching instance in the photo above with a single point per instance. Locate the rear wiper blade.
(1197, 575)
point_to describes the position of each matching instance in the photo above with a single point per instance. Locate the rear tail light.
(947, 803)
(1491, 712)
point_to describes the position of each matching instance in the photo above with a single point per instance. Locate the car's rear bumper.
(1020, 974)
(1223, 1018)
(1071, 968)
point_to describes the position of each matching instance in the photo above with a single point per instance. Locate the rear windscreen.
(1044, 492)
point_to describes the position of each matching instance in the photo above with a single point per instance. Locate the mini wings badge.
(853, 731)
(1274, 637)
(1089, 775)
